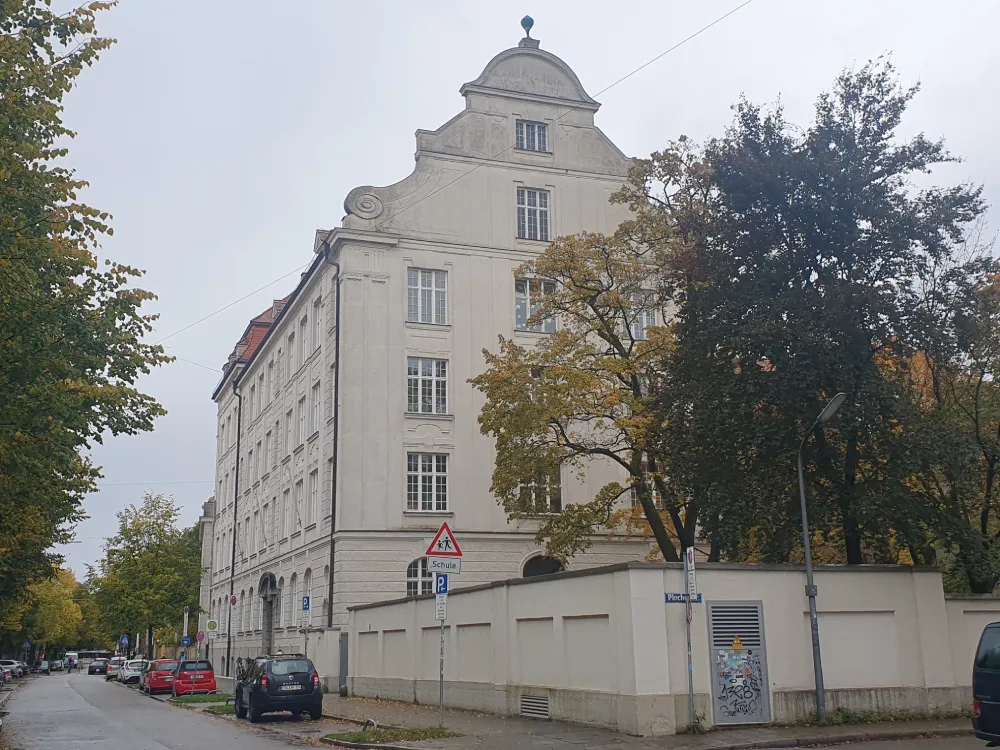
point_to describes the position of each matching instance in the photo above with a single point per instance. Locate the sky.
(222, 134)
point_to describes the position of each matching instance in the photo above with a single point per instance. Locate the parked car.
(44, 667)
(986, 686)
(25, 670)
(114, 665)
(132, 670)
(194, 676)
(159, 676)
(14, 666)
(58, 665)
(279, 683)
(98, 666)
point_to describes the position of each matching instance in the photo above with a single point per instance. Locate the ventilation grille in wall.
(535, 706)
(729, 621)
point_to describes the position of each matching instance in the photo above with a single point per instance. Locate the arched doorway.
(540, 565)
(268, 590)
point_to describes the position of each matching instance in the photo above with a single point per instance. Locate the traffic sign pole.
(444, 557)
(692, 591)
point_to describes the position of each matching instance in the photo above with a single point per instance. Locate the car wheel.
(316, 714)
(241, 712)
(254, 713)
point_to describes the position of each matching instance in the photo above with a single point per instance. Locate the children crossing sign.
(444, 555)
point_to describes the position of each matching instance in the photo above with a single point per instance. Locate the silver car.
(131, 671)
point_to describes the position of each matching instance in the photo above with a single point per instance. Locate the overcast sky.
(221, 134)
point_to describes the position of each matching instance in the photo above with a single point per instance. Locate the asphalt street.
(73, 712)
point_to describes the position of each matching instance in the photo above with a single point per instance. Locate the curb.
(360, 723)
(843, 737)
(365, 745)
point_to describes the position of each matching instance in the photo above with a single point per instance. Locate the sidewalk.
(489, 732)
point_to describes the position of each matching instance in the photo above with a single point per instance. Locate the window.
(266, 458)
(419, 580)
(315, 397)
(269, 382)
(261, 403)
(239, 537)
(657, 499)
(533, 214)
(265, 523)
(300, 436)
(253, 402)
(527, 303)
(257, 461)
(543, 494)
(297, 501)
(295, 604)
(642, 317)
(288, 432)
(426, 296)
(317, 336)
(247, 539)
(286, 515)
(329, 474)
(307, 591)
(313, 511)
(531, 136)
(426, 482)
(277, 604)
(256, 532)
(303, 340)
(427, 385)
(290, 360)
(277, 440)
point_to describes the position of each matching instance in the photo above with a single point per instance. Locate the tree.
(150, 571)
(70, 332)
(53, 618)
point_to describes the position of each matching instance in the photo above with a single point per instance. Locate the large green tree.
(150, 571)
(70, 329)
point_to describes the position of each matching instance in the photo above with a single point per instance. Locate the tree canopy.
(70, 328)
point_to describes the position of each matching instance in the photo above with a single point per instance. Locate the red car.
(159, 676)
(194, 676)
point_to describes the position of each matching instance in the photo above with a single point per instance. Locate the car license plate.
(196, 677)
(168, 679)
(291, 687)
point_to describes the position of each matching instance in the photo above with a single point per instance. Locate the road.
(73, 712)
(77, 712)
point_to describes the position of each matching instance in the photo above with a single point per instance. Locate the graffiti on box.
(740, 684)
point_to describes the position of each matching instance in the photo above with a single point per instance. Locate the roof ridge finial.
(527, 23)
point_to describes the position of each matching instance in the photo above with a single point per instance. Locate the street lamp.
(824, 416)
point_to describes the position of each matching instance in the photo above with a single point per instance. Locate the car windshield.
(167, 666)
(988, 656)
(291, 666)
(196, 666)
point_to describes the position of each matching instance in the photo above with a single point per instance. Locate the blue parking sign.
(305, 603)
(440, 583)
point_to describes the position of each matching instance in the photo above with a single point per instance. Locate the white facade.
(424, 273)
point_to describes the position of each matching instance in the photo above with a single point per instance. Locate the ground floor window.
(419, 580)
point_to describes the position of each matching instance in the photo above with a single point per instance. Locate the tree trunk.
(666, 546)
(852, 534)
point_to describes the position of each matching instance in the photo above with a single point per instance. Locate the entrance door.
(343, 664)
(268, 624)
(738, 660)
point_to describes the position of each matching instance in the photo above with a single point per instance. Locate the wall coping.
(972, 597)
(641, 565)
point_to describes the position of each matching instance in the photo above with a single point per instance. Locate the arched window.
(239, 612)
(542, 566)
(307, 591)
(277, 604)
(293, 602)
(252, 607)
(419, 580)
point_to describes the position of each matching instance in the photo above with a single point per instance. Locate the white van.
(72, 660)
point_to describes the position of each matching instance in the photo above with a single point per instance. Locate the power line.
(226, 307)
(666, 52)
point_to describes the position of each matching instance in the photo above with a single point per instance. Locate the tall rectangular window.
(289, 423)
(297, 502)
(330, 479)
(253, 402)
(269, 382)
(285, 520)
(300, 436)
(266, 457)
(426, 296)
(253, 467)
(313, 514)
(316, 397)
(257, 461)
(531, 136)
(317, 321)
(533, 214)
(642, 316)
(543, 494)
(303, 340)
(256, 532)
(290, 367)
(426, 482)
(527, 303)
(261, 403)
(265, 525)
(427, 385)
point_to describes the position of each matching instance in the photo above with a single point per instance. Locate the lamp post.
(824, 416)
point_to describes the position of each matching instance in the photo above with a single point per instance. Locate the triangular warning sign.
(444, 544)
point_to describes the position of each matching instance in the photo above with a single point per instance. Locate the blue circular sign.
(186, 641)
(124, 639)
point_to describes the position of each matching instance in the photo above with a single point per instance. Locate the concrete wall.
(605, 649)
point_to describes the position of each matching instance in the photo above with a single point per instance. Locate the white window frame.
(303, 340)
(316, 395)
(534, 214)
(264, 518)
(255, 543)
(266, 458)
(531, 135)
(641, 316)
(317, 324)
(290, 368)
(297, 492)
(253, 402)
(300, 436)
(419, 580)
(313, 515)
(269, 381)
(653, 491)
(545, 493)
(526, 289)
(286, 514)
(426, 389)
(426, 296)
(426, 482)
